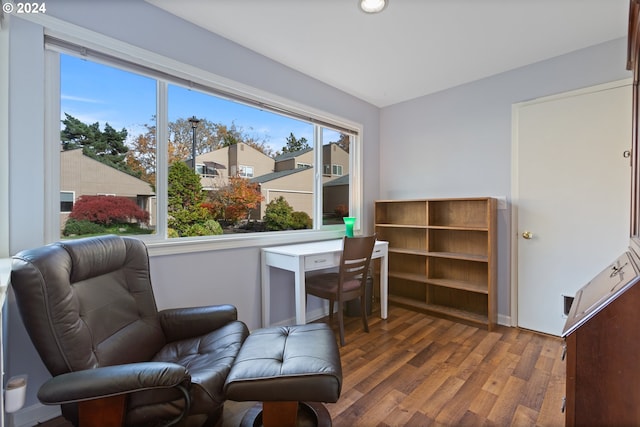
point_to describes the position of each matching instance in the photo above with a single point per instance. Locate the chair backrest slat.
(355, 259)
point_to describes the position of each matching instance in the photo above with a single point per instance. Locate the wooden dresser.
(602, 336)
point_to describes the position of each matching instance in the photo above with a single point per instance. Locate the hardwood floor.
(416, 370)
(419, 370)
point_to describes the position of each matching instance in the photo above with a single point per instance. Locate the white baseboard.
(32, 415)
(504, 320)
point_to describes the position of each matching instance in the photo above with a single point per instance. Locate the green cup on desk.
(349, 222)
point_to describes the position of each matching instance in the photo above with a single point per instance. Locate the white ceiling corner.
(414, 47)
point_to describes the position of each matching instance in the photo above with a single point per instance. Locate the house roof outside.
(343, 180)
(276, 175)
(292, 155)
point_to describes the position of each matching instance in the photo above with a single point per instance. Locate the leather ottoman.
(290, 369)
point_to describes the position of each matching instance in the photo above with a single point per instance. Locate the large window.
(142, 152)
(106, 112)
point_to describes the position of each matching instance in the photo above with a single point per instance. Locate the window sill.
(206, 244)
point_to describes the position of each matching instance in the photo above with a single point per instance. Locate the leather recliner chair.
(89, 308)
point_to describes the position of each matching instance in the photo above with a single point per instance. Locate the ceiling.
(412, 48)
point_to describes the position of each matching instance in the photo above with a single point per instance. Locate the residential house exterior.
(215, 167)
(335, 162)
(297, 159)
(295, 185)
(247, 162)
(335, 193)
(289, 175)
(81, 175)
(335, 178)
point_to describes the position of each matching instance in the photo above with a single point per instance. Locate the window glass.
(336, 191)
(252, 155)
(106, 158)
(246, 171)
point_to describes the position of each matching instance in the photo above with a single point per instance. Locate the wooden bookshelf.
(442, 256)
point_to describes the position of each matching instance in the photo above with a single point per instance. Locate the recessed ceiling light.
(372, 6)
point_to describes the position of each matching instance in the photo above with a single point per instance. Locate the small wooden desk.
(303, 257)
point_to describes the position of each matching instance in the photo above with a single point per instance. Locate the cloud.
(80, 99)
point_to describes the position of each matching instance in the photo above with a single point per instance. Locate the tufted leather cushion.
(208, 359)
(288, 363)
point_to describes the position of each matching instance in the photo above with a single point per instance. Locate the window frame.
(161, 244)
(73, 200)
(202, 170)
(243, 171)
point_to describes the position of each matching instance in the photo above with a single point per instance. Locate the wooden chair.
(349, 282)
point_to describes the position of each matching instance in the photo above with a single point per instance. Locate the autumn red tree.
(108, 210)
(236, 201)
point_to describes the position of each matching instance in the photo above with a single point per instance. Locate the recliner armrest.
(112, 381)
(181, 323)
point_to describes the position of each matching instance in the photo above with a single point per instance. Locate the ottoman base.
(309, 414)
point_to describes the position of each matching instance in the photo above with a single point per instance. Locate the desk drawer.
(377, 252)
(317, 262)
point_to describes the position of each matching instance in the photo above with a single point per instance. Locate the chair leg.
(363, 312)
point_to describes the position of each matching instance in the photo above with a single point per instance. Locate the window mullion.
(356, 180)
(317, 176)
(52, 147)
(162, 157)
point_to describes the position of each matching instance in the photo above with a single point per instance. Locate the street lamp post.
(194, 124)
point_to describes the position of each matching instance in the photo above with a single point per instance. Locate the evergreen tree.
(294, 144)
(188, 216)
(107, 146)
(76, 134)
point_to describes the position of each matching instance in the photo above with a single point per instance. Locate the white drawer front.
(317, 262)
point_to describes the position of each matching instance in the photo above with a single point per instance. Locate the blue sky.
(92, 92)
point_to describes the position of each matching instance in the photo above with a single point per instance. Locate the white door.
(571, 193)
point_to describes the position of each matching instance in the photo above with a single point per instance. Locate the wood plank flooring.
(416, 370)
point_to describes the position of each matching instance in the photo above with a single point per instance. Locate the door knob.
(527, 235)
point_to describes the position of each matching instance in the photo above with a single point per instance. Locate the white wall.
(223, 276)
(459, 140)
